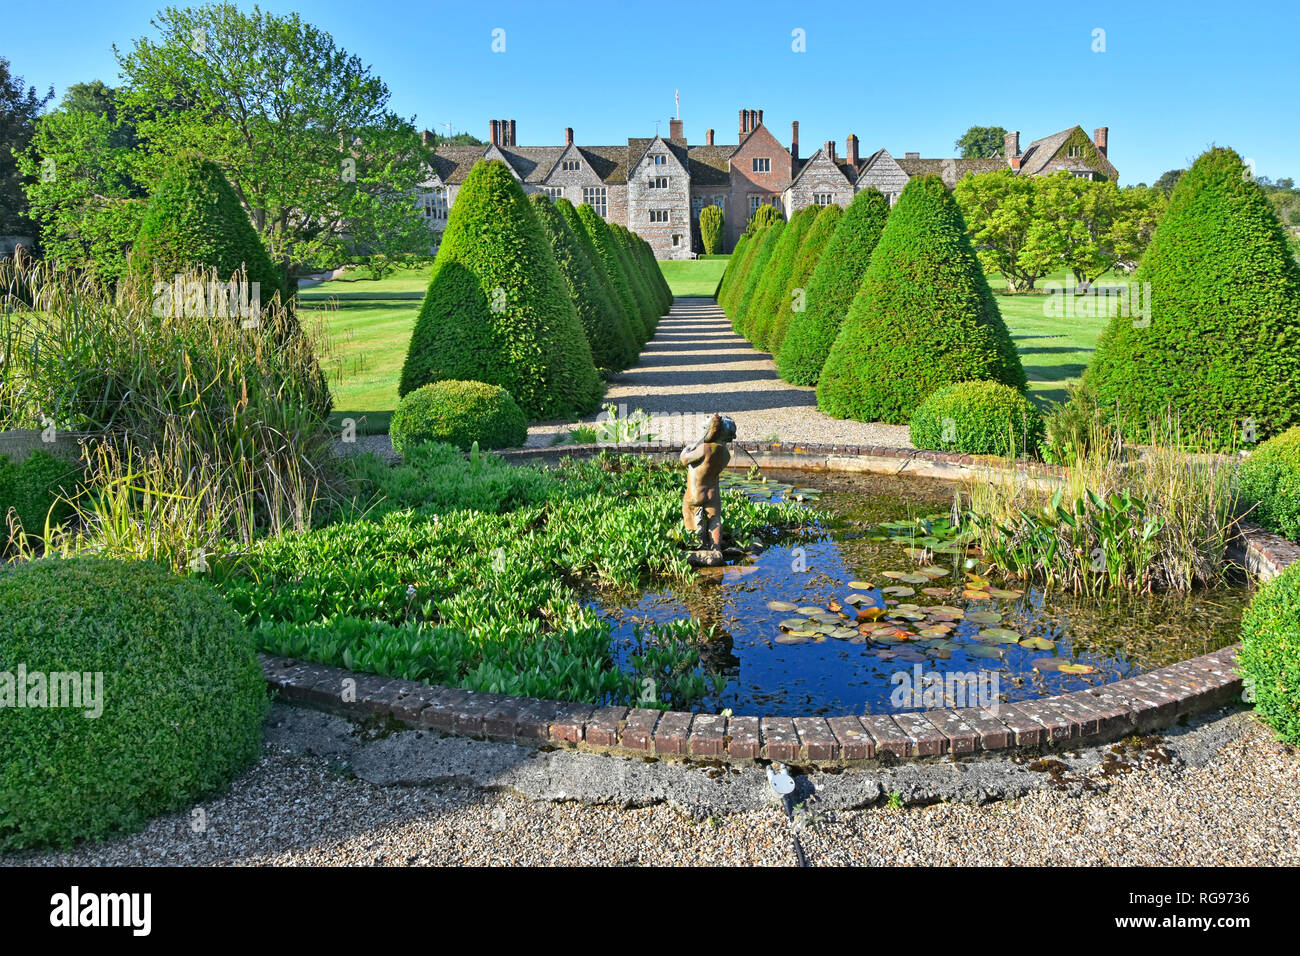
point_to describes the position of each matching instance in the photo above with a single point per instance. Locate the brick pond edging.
(1141, 704)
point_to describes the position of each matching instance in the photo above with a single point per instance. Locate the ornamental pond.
(842, 616)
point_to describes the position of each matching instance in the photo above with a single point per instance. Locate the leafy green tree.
(1220, 344)
(982, 142)
(711, 230)
(20, 106)
(300, 127)
(612, 345)
(1168, 180)
(923, 318)
(1001, 210)
(194, 221)
(795, 297)
(832, 288)
(498, 310)
(85, 190)
(607, 252)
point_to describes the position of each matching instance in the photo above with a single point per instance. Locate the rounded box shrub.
(1269, 659)
(167, 706)
(978, 418)
(460, 414)
(1270, 482)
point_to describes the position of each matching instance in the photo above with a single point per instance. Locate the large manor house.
(656, 186)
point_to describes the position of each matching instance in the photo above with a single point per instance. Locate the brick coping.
(1147, 702)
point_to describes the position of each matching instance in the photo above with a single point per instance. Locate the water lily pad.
(984, 617)
(972, 595)
(933, 632)
(793, 623)
(1004, 593)
(1038, 643)
(914, 579)
(844, 633)
(794, 637)
(935, 592)
(999, 635)
(1045, 665)
(856, 598)
(1076, 668)
(930, 571)
(810, 610)
(781, 606)
(982, 650)
(859, 585)
(898, 591)
(896, 575)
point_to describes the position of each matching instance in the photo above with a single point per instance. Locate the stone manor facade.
(656, 186)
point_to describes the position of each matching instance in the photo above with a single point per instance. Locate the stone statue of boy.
(702, 503)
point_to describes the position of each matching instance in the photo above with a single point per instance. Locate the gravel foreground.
(1241, 808)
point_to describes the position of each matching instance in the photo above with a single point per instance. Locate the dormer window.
(660, 159)
(762, 164)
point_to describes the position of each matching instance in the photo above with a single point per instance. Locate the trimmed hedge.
(35, 488)
(183, 698)
(832, 288)
(978, 418)
(755, 270)
(1223, 340)
(738, 269)
(729, 273)
(498, 310)
(764, 216)
(459, 414)
(1269, 659)
(924, 317)
(1270, 484)
(195, 220)
(810, 253)
(580, 233)
(608, 334)
(635, 271)
(711, 227)
(607, 252)
(767, 299)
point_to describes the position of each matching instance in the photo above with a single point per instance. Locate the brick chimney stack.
(674, 129)
(1101, 137)
(708, 137)
(760, 119)
(794, 140)
(851, 150)
(426, 138)
(494, 136)
(829, 148)
(1011, 145)
(512, 133)
(568, 136)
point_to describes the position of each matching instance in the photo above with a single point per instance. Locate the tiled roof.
(710, 165)
(533, 163)
(950, 170)
(452, 163)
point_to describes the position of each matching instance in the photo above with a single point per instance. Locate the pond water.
(849, 616)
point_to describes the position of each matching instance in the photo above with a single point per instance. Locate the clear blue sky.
(908, 76)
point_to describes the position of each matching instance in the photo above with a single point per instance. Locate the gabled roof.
(533, 163)
(1041, 151)
(844, 169)
(609, 162)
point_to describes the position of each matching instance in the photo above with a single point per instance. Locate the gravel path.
(696, 365)
(1242, 807)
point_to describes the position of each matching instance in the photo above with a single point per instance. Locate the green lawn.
(693, 278)
(1052, 350)
(368, 324)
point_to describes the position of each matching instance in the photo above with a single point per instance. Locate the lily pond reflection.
(823, 620)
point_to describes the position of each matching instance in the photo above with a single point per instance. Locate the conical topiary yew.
(755, 270)
(832, 288)
(497, 309)
(795, 296)
(636, 279)
(767, 300)
(195, 221)
(729, 273)
(924, 317)
(602, 240)
(608, 334)
(580, 233)
(1219, 345)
